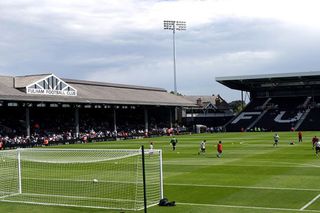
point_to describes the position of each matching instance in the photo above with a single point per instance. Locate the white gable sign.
(51, 85)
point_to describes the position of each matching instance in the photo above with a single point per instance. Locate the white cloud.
(104, 60)
(244, 59)
(106, 17)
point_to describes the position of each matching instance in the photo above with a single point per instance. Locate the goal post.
(93, 178)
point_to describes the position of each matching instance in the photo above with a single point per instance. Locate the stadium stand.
(278, 102)
(282, 113)
(210, 111)
(44, 110)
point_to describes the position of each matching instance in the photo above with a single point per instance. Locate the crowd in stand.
(215, 129)
(44, 138)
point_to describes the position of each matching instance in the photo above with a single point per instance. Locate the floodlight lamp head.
(169, 25)
(174, 25)
(181, 25)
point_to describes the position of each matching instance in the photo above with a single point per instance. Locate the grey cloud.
(229, 46)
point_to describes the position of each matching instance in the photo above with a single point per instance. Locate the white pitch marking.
(246, 207)
(243, 187)
(311, 202)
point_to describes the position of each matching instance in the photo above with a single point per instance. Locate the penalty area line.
(245, 207)
(311, 202)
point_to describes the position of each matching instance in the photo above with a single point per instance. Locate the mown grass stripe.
(243, 187)
(246, 207)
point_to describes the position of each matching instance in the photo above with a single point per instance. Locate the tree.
(237, 106)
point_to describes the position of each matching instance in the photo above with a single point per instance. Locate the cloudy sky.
(123, 41)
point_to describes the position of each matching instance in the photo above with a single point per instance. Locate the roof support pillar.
(114, 120)
(170, 117)
(146, 122)
(175, 114)
(76, 119)
(241, 99)
(28, 121)
(192, 121)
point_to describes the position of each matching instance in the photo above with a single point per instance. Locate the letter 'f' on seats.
(245, 115)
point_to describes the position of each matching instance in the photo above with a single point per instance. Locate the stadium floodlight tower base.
(92, 178)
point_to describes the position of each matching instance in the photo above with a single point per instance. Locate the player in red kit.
(219, 149)
(314, 141)
(300, 136)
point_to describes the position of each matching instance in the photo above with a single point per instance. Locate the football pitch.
(251, 177)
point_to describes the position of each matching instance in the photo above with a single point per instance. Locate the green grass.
(251, 177)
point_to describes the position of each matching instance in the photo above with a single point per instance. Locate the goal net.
(104, 178)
